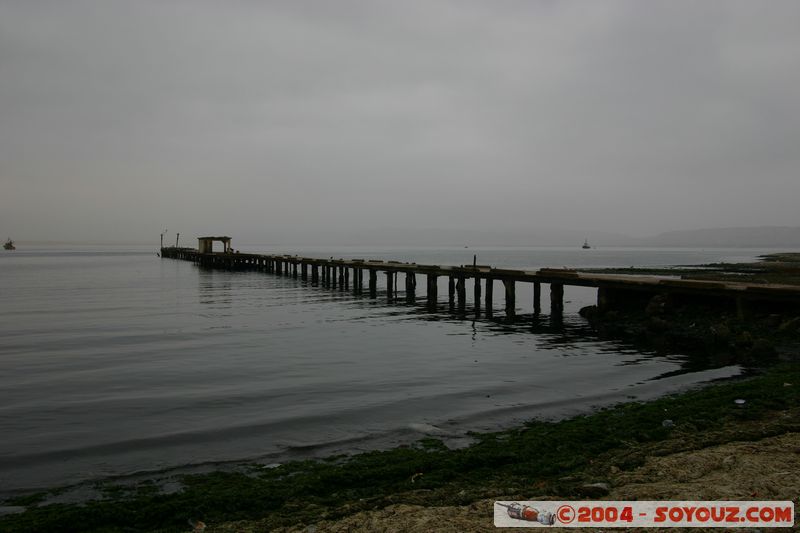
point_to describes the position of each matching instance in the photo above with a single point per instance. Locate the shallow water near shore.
(114, 361)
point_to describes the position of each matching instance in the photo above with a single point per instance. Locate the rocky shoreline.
(708, 330)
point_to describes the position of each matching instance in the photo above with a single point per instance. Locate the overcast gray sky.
(271, 121)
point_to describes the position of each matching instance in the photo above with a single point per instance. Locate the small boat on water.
(9, 245)
(586, 244)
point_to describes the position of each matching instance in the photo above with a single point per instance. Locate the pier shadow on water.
(557, 331)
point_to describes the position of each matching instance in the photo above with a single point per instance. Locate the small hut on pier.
(205, 245)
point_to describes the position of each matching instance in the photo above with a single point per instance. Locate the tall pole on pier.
(177, 239)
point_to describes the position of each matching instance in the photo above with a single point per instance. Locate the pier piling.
(411, 286)
(511, 297)
(373, 283)
(489, 294)
(556, 299)
(390, 285)
(477, 295)
(461, 293)
(451, 289)
(432, 289)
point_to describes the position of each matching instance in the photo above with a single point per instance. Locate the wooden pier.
(613, 290)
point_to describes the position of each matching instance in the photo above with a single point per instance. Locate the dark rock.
(762, 348)
(745, 339)
(657, 306)
(790, 325)
(721, 333)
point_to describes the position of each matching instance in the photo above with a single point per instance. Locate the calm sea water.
(114, 361)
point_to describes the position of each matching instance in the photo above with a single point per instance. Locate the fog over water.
(339, 122)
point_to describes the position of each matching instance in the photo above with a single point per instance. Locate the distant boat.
(9, 245)
(586, 244)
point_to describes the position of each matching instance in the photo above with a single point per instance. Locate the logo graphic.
(518, 511)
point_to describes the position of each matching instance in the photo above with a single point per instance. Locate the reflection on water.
(567, 333)
(215, 288)
(118, 362)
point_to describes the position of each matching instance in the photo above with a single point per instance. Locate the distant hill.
(472, 237)
(764, 236)
(783, 237)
